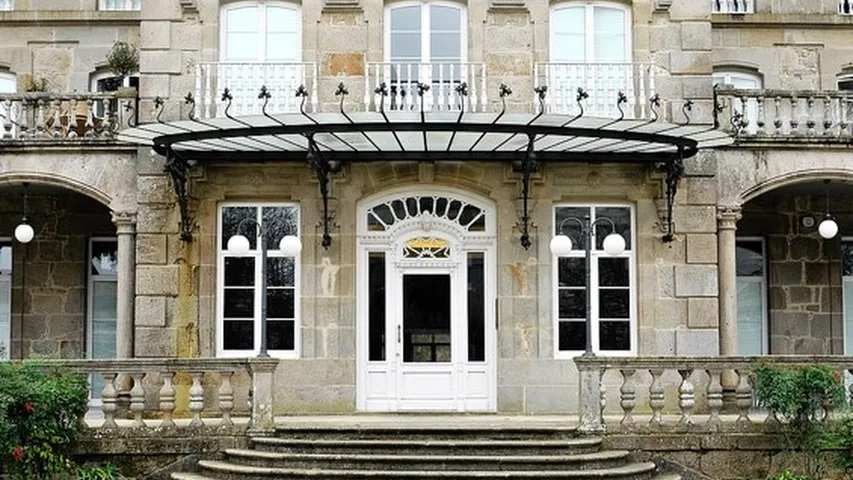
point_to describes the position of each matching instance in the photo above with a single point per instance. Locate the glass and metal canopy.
(327, 140)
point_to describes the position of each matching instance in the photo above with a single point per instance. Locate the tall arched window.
(590, 32)
(425, 32)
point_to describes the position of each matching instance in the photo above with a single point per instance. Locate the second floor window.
(261, 32)
(5, 4)
(430, 32)
(590, 33)
(118, 4)
(8, 81)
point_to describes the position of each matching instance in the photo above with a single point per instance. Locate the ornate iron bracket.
(528, 166)
(178, 169)
(673, 168)
(541, 92)
(654, 104)
(504, 92)
(621, 99)
(322, 169)
(686, 109)
(158, 108)
(190, 100)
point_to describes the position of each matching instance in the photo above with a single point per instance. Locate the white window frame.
(261, 56)
(578, 252)
(127, 6)
(728, 75)
(763, 280)
(6, 282)
(844, 77)
(272, 252)
(731, 6)
(426, 54)
(844, 281)
(91, 280)
(589, 28)
(12, 78)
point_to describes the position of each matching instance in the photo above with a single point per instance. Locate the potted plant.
(122, 60)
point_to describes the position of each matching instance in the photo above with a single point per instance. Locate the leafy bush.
(799, 395)
(40, 411)
(788, 475)
(838, 438)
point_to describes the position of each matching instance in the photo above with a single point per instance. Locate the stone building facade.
(688, 296)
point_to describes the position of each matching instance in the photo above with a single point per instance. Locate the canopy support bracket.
(178, 168)
(528, 166)
(322, 169)
(673, 168)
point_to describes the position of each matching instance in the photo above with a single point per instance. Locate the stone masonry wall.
(49, 275)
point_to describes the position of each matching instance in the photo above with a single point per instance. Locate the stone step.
(197, 476)
(425, 432)
(455, 462)
(228, 471)
(568, 446)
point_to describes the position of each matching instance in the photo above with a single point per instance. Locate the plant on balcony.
(122, 60)
(36, 85)
(40, 411)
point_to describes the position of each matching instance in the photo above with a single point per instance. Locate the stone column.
(727, 218)
(126, 297)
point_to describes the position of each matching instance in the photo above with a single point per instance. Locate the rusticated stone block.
(702, 248)
(157, 280)
(343, 64)
(150, 311)
(703, 313)
(696, 281)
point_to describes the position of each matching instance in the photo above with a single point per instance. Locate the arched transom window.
(468, 216)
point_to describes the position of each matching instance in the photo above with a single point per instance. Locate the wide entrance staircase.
(416, 450)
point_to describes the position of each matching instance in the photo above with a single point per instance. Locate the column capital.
(727, 217)
(125, 222)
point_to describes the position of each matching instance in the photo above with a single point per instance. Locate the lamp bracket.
(673, 169)
(322, 168)
(178, 168)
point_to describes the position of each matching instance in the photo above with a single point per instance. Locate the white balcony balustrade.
(845, 7)
(401, 82)
(732, 6)
(244, 81)
(602, 82)
(51, 117)
(785, 114)
(5, 5)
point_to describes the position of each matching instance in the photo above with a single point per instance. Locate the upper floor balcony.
(733, 6)
(601, 84)
(68, 117)
(785, 116)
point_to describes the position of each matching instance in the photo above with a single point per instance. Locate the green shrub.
(799, 395)
(788, 475)
(40, 411)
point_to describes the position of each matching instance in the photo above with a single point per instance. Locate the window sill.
(282, 355)
(782, 19)
(69, 16)
(571, 354)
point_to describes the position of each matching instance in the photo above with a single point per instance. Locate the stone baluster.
(226, 397)
(40, 119)
(777, 122)
(167, 399)
(56, 128)
(89, 128)
(810, 121)
(21, 117)
(196, 399)
(137, 399)
(827, 116)
(686, 398)
(106, 120)
(629, 395)
(715, 398)
(844, 120)
(7, 119)
(743, 397)
(656, 396)
(795, 122)
(72, 118)
(109, 396)
(760, 121)
(744, 120)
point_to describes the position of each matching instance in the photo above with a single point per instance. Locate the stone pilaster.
(727, 218)
(125, 223)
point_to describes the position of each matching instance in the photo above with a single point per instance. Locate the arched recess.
(425, 293)
(55, 180)
(792, 178)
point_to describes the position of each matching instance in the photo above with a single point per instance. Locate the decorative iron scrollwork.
(621, 99)
(528, 166)
(686, 109)
(158, 108)
(264, 95)
(654, 104)
(178, 168)
(342, 91)
(504, 92)
(541, 92)
(190, 100)
(322, 168)
(673, 168)
(227, 97)
(382, 91)
(130, 112)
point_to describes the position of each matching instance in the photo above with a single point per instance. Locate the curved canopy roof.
(398, 135)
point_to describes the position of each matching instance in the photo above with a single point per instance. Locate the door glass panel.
(749, 317)
(609, 26)
(5, 300)
(476, 308)
(426, 318)
(376, 306)
(569, 35)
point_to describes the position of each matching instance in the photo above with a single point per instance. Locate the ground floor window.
(847, 292)
(5, 299)
(751, 297)
(239, 278)
(612, 306)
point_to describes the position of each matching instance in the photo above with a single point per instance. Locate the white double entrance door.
(438, 345)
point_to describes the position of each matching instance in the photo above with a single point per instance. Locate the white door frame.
(473, 385)
(765, 324)
(6, 284)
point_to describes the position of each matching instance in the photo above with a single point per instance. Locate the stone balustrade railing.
(151, 384)
(51, 117)
(783, 115)
(695, 399)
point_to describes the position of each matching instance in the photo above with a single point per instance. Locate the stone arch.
(791, 178)
(56, 180)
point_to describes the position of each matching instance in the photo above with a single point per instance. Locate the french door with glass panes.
(103, 288)
(5, 299)
(751, 297)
